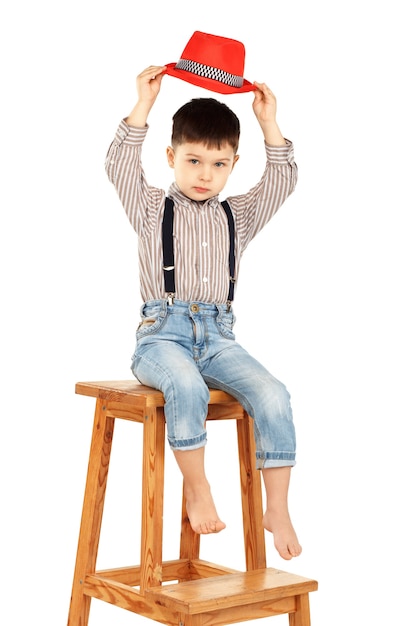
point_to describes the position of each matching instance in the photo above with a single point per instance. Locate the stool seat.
(130, 392)
(200, 592)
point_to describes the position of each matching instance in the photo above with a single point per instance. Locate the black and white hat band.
(210, 72)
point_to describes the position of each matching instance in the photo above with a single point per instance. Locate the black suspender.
(168, 248)
(231, 223)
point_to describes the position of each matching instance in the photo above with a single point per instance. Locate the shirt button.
(205, 279)
(204, 244)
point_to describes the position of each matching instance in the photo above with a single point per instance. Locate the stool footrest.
(226, 598)
(230, 590)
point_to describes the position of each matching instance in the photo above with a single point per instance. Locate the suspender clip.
(170, 299)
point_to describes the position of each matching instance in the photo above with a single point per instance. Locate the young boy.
(185, 342)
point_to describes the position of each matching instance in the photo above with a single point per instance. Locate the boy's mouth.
(201, 189)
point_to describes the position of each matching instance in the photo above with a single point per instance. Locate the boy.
(185, 342)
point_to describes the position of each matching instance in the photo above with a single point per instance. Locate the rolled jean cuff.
(280, 459)
(188, 444)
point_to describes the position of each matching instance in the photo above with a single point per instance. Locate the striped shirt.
(201, 234)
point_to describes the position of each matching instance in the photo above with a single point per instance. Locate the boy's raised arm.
(148, 84)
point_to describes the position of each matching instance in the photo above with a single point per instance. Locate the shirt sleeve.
(124, 169)
(254, 209)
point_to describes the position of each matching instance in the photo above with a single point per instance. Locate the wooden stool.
(204, 593)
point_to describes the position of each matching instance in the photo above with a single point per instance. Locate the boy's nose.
(205, 173)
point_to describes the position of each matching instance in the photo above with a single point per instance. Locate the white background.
(326, 297)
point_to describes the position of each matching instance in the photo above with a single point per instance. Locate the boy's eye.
(219, 164)
(194, 161)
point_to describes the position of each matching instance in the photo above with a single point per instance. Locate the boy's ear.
(170, 156)
(235, 160)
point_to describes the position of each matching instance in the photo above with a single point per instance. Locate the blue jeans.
(184, 348)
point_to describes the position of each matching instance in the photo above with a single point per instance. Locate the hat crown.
(220, 52)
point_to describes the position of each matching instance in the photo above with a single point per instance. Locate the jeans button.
(194, 308)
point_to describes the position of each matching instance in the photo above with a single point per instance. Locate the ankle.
(197, 489)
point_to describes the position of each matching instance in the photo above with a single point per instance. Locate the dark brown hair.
(205, 120)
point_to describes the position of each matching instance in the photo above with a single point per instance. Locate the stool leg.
(250, 482)
(92, 513)
(302, 615)
(152, 498)
(190, 541)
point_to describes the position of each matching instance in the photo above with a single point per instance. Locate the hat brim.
(207, 83)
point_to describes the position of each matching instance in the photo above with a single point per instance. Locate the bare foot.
(285, 538)
(202, 512)
(199, 502)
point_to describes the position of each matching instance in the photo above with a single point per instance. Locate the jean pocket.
(225, 323)
(152, 320)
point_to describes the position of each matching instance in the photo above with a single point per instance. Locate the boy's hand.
(265, 108)
(264, 104)
(148, 84)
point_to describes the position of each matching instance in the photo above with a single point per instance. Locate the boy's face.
(201, 172)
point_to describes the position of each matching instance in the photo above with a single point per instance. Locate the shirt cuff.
(280, 154)
(130, 135)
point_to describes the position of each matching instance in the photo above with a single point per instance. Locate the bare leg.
(277, 518)
(199, 502)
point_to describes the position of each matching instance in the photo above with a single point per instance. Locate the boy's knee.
(274, 399)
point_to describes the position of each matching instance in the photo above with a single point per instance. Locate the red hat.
(214, 63)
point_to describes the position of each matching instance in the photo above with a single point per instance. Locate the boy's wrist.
(139, 115)
(272, 134)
